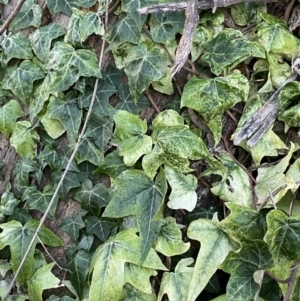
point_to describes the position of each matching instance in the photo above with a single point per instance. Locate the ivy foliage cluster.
(139, 237)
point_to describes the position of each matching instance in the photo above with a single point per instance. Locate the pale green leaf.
(18, 238)
(61, 6)
(276, 39)
(228, 49)
(169, 241)
(39, 200)
(16, 46)
(215, 246)
(41, 39)
(176, 284)
(247, 13)
(164, 26)
(78, 266)
(213, 96)
(23, 139)
(270, 177)
(291, 117)
(101, 227)
(235, 185)
(9, 113)
(30, 14)
(134, 193)
(202, 36)
(7, 204)
(92, 198)
(183, 195)
(41, 280)
(130, 136)
(143, 66)
(283, 235)
(108, 265)
(20, 79)
(130, 293)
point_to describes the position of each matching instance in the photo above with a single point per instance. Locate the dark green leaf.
(130, 293)
(48, 156)
(20, 215)
(113, 76)
(92, 198)
(134, 193)
(100, 227)
(85, 3)
(89, 151)
(200, 212)
(63, 6)
(85, 242)
(72, 225)
(30, 14)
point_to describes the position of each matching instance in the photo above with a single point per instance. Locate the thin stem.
(42, 221)
(293, 202)
(12, 16)
(291, 281)
(147, 93)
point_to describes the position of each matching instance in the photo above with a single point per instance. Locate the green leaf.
(235, 185)
(144, 66)
(134, 193)
(92, 198)
(16, 46)
(72, 225)
(164, 26)
(247, 13)
(283, 235)
(61, 6)
(213, 96)
(183, 195)
(176, 284)
(291, 117)
(68, 114)
(18, 238)
(215, 245)
(41, 280)
(85, 3)
(89, 151)
(130, 137)
(42, 38)
(202, 36)
(169, 241)
(30, 14)
(78, 266)
(70, 64)
(81, 26)
(20, 79)
(23, 139)
(242, 265)
(101, 227)
(7, 204)
(270, 177)
(40, 200)
(9, 113)
(85, 242)
(228, 49)
(130, 293)
(108, 265)
(131, 6)
(276, 39)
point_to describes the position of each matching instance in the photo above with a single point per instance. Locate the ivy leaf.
(235, 185)
(81, 26)
(92, 198)
(20, 79)
(164, 26)
(85, 3)
(228, 49)
(108, 265)
(30, 14)
(42, 38)
(16, 46)
(130, 293)
(128, 103)
(18, 238)
(176, 284)
(70, 64)
(41, 280)
(88, 151)
(215, 246)
(85, 242)
(61, 6)
(169, 241)
(23, 139)
(9, 113)
(101, 227)
(134, 193)
(7, 204)
(78, 266)
(72, 225)
(68, 114)
(130, 137)
(213, 96)
(183, 195)
(268, 179)
(144, 66)
(48, 156)
(283, 235)
(113, 76)
(242, 265)
(131, 6)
